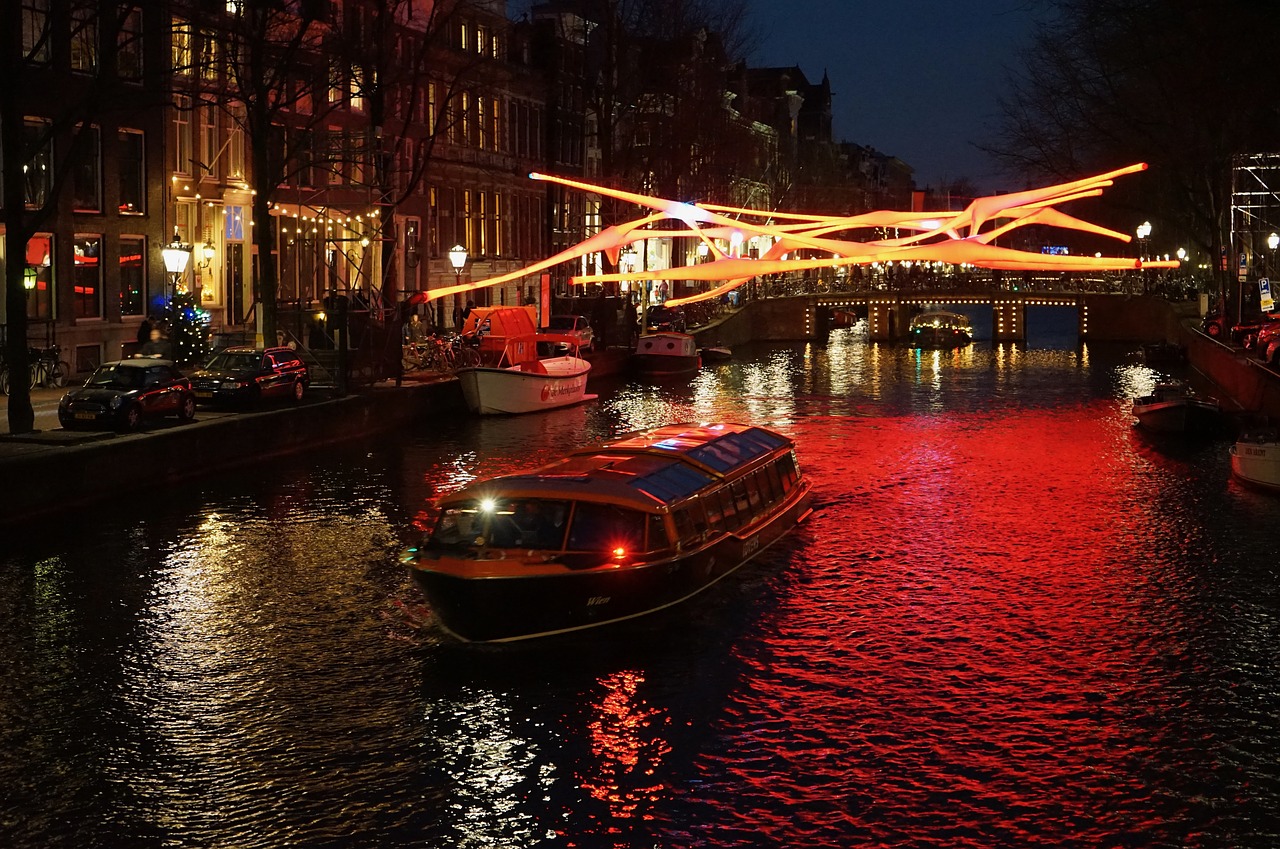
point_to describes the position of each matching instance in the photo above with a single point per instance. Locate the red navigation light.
(619, 553)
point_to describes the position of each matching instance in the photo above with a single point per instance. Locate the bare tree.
(1170, 83)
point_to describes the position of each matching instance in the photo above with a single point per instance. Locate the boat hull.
(1257, 463)
(1177, 416)
(506, 606)
(555, 382)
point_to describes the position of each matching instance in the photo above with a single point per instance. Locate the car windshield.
(562, 322)
(233, 361)
(117, 376)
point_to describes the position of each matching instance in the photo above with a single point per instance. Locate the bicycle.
(46, 369)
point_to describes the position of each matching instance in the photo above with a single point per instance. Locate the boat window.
(732, 518)
(715, 512)
(604, 527)
(527, 523)
(658, 538)
(787, 466)
(459, 525)
(672, 482)
(754, 500)
(686, 529)
(775, 480)
(741, 501)
(765, 485)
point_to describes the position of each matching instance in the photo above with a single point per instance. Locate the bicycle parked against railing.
(440, 354)
(46, 369)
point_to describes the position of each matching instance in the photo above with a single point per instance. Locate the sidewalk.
(44, 402)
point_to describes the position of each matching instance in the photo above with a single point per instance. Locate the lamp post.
(1273, 242)
(457, 259)
(1143, 231)
(29, 276)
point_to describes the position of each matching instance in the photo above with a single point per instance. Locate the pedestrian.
(157, 346)
(415, 331)
(144, 331)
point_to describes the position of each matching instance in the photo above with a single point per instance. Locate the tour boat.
(666, 354)
(1255, 458)
(607, 533)
(939, 329)
(522, 382)
(1172, 407)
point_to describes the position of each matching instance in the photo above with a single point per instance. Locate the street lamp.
(458, 259)
(1144, 230)
(1273, 242)
(29, 275)
(176, 256)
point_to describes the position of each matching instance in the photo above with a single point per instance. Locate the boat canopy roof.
(646, 469)
(941, 318)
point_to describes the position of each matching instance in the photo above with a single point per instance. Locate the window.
(129, 46)
(604, 527)
(35, 30)
(333, 154)
(235, 145)
(210, 142)
(355, 87)
(39, 171)
(39, 257)
(86, 185)
(84, 36)
(183, 154)
(208, 55)
(129, 150)
(180, 44)
(133, 275)
(86, 280)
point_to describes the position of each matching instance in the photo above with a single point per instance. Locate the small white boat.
(521, 382)
(1255, 459)
(666, 354)
(1173, 408)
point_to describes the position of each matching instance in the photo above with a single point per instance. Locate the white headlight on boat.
(487, 505)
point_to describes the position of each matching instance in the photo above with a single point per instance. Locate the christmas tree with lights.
(189, 328)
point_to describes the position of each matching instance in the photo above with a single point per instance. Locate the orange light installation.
(956, 238)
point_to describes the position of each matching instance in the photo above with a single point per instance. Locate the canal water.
(1012, 621)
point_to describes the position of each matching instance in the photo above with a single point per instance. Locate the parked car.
(125, 393)
(1267, 343)
(1244, 334)
(573, 325)
(246, 375)
(659, 318)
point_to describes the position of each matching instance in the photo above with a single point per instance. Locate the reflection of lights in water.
(1134, 380)
(490, 769)
(626, 739)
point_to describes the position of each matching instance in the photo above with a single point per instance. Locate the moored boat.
(608, 533)
(522, 382)
(939, 329)
(1172, 407)
(666, 354)
(1255, 458)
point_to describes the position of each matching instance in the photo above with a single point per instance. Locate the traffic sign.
(1264, 295)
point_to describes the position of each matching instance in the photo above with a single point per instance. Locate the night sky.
(917, 79)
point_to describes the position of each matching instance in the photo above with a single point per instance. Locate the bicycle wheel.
(58, 373)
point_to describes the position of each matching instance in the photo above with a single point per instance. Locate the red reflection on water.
(627, 741)
(972, 625)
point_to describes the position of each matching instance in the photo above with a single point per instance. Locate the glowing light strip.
(956, 238)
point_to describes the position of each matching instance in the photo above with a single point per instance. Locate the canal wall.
(50, 472)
